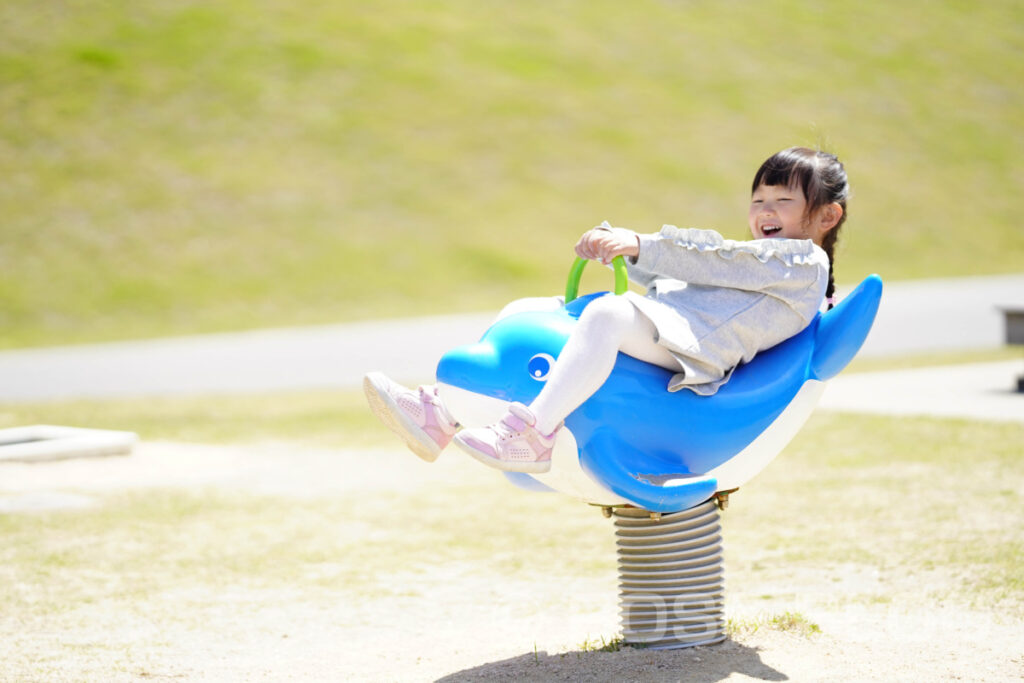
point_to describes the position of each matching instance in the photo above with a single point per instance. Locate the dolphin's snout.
(467, 367)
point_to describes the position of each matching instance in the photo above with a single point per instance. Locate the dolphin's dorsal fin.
(842, 331)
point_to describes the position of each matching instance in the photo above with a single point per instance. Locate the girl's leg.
(416, 415)
(523, 440)
(419, 416)
(607, 326)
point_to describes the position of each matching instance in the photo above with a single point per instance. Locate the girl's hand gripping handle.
(604, 243)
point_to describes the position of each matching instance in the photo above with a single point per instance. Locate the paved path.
(917, 316)
(329, 356)
(981, 391)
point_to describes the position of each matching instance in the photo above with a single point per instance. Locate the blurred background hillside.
(178, 167)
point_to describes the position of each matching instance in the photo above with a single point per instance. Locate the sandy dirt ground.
(458, 624)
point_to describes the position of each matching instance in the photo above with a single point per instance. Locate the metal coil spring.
(671, 577)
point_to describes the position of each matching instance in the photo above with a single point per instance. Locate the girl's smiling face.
(778, 211)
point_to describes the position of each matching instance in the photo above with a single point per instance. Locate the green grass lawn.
(933, 507)
(175, 167)
(326, 418)
(889, 515)
(899, 489)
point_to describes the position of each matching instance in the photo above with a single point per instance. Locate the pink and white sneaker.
(418, 416)
(513, 445)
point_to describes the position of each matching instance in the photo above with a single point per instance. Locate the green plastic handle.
(572, 287)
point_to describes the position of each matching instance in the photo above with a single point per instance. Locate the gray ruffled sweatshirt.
(717, 302)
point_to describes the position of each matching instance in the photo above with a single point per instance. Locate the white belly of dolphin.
(566, 476)
(741, 468)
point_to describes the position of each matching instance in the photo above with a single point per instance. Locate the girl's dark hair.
(822, 178)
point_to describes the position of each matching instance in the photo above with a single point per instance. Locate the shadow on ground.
(696, 664)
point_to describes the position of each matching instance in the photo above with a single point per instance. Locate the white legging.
(608, 325)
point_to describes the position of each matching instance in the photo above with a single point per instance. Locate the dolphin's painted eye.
(539, 366)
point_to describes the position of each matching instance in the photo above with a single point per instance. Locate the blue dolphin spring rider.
(661, 462)
(634, 443)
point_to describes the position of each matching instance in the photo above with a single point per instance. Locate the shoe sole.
(503, 465)
(388, 412)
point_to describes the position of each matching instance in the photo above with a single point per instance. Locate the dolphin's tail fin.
(842, 331)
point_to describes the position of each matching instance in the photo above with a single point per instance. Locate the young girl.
(710, 305)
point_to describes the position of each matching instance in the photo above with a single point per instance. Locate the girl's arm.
(703, 257)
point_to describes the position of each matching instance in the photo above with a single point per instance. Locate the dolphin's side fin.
(616, 466)
(842, 331)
